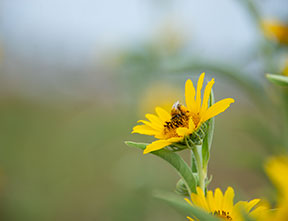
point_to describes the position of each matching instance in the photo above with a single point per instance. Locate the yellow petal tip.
(146, 151)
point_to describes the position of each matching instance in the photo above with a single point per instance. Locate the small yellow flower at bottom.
(222, 205)
(182, 121)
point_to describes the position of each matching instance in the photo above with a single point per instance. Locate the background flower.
(222, 205)
(277, 170)
(276, 30)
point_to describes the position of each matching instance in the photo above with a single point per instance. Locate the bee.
(178, 110)
(178, 116)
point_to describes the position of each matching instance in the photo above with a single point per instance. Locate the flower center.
(179, 118)
(222, 214)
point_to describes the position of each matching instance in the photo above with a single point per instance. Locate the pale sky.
(75, 30)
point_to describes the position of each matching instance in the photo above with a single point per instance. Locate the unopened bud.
(181, 188)
(198, 136)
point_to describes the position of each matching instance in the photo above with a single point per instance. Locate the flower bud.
(197, 137)
(181, 188)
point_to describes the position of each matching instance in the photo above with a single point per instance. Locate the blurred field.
(74, 82)
(69, 162)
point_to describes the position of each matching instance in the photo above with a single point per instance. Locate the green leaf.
(278, 79)
(193, 164)
(209, 137)
(174, 160)
(183, 207)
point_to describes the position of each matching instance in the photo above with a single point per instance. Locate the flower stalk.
(196, 151)
(201, 176)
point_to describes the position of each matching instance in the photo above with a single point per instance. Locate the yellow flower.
(277, 170)
(276, 30)
(223, 206)
(182, 121)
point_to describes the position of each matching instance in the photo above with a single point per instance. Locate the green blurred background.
(77, 75)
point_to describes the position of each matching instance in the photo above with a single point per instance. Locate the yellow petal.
(246, 206)
(156, 145)
(196, 200)
(189, 94)
(228, 199)
(191, 125)
(198, 95)
(182, 131)
(240, 206)
(159, 144)
(188, 201)
(163, 114)
(211, 201)
(217, 108)
(261, 212)
(206, 96)
(218, 199)
(202, 199)
(148, 123)
(190, 219)
(251, 204)
(154, 119)
(144, 129)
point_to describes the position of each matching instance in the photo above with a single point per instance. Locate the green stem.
(198, 158)
(200, 171)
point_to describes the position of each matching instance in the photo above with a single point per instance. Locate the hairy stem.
(195, 153)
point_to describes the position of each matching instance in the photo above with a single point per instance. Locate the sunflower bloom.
(182, 121)
(222, 205)
(275, 30)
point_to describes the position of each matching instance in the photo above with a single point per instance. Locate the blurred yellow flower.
(182, 121)
(285, 70)
(159, 94)
(222, 205)
(276, 30)
(277, 170)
